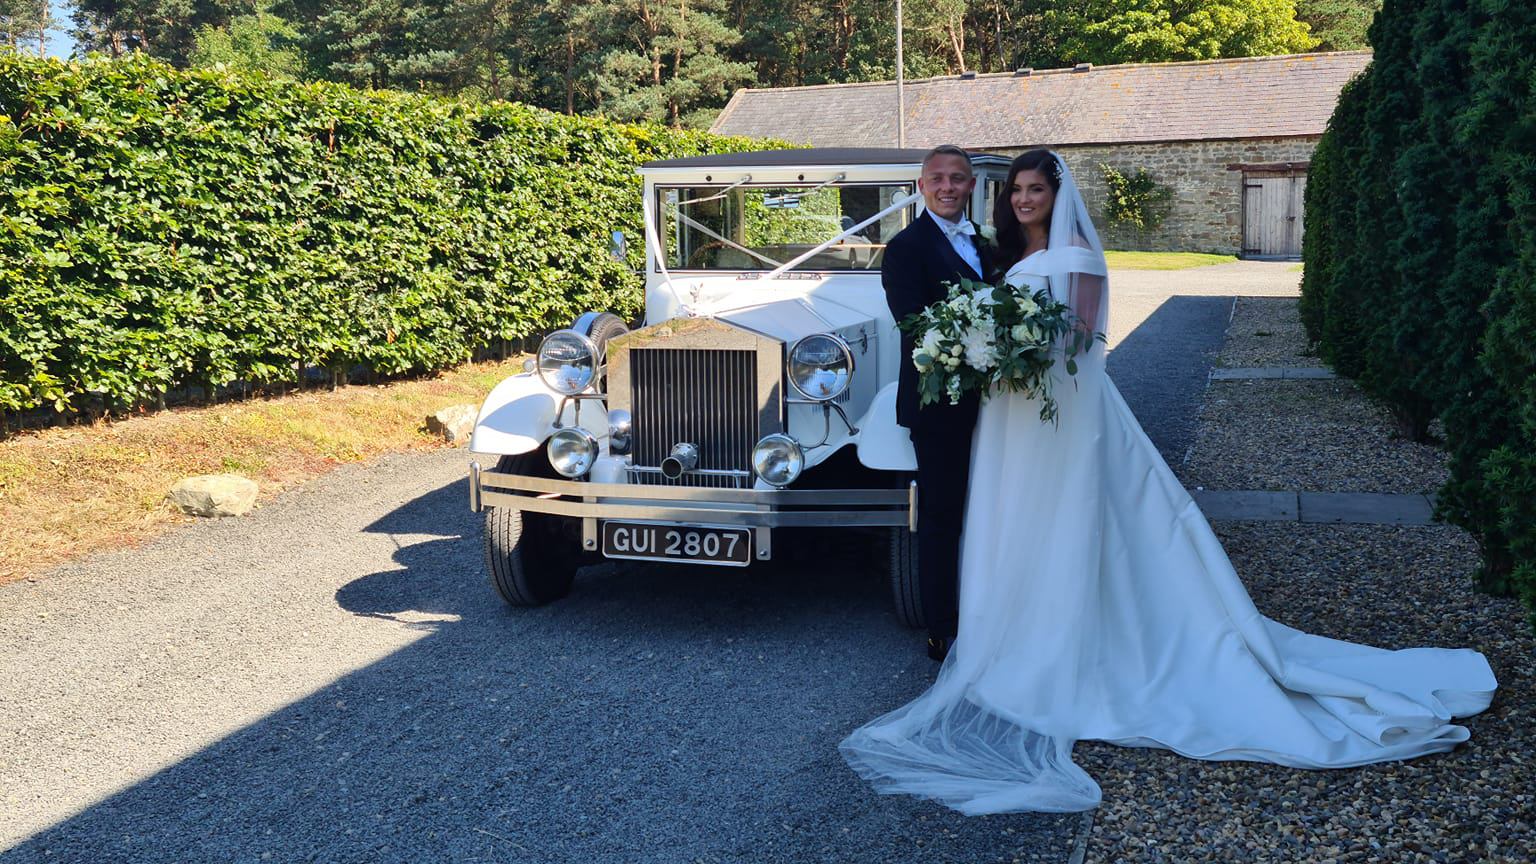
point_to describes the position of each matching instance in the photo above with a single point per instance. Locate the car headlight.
(820, 367)
(778, 459)
(567, 362)
(572, 451)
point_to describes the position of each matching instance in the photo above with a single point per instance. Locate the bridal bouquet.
(985, 337)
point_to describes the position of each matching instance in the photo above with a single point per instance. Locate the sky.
(59, 42)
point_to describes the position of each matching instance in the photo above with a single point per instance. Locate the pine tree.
(164, 29)
(24, 25)
(667, 60)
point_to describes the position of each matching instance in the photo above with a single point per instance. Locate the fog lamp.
(572, 451)
(778, 459)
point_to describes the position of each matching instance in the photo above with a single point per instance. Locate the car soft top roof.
(813, 156)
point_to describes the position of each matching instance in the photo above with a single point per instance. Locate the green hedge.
(1421, 255)
(163, 229)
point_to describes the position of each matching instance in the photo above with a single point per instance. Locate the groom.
(938, 248)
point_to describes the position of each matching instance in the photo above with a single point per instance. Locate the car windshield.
(760, 227)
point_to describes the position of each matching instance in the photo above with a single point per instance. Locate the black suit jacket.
(918, 262)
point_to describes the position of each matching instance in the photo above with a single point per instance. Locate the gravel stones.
(1389, 586)
(1309, 435)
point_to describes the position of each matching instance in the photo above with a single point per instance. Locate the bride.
(1096, 603)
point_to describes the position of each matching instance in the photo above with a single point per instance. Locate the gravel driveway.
(331, 679)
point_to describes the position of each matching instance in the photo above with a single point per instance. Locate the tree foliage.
(674, 61)
(24, 25)
(1420, 271)
(666, 58)
(1153, 31)
(1338, 25)
(261, 43)
(202, 227)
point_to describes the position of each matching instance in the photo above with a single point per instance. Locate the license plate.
(694, 544)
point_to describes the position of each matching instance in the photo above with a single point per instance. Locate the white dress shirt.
(961, 236)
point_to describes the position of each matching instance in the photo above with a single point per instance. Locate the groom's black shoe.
(938, 648)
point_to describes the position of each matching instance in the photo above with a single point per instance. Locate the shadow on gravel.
(667, 714)
(1162, 367)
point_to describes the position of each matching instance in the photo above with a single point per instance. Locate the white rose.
(1020, 333)
(1028, 306)
(922, 359)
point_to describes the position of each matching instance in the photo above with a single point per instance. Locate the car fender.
(883, 444)
(517, 416)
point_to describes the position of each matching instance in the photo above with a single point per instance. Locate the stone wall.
(1205, 210)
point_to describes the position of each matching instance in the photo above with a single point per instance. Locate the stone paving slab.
(1272, 372)
(1247, 505)
(1376, 509)
(1361, 508)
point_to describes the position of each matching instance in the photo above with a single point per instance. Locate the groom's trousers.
(943, 469)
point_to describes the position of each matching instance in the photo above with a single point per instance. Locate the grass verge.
(1163, 260)
(72, 490)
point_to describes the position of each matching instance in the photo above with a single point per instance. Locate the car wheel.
(602, 327)
(531, 557)
(906, 582)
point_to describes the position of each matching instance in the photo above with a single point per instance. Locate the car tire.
(604, 326)
(530, 558)
(906, 581)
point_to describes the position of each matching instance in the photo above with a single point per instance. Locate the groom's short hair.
(946, 150)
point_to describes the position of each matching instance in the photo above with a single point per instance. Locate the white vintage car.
(758, 397)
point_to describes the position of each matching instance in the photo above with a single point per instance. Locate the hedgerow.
(163, 229)
(1421, 255)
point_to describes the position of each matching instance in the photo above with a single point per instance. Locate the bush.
(1420, 269)
(1137, 201)
(166, 229)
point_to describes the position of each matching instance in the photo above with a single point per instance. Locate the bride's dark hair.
(1010, 240)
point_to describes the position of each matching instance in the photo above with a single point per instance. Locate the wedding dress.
(1096, 603)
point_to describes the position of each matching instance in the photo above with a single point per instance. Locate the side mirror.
(617, 246)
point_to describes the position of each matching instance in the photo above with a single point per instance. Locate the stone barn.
(1224, 144)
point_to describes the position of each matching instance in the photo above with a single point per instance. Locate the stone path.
(1165, 328)
(1294, 506)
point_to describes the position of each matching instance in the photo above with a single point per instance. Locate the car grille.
(705, 397)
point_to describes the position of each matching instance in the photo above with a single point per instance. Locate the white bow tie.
(964, 226)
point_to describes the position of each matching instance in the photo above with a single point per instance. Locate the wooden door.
(1272, 215)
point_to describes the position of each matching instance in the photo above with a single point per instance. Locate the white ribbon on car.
(844, 234)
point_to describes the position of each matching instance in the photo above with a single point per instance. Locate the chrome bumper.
(757, 508)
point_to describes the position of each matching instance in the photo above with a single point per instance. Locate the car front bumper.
(762, 509)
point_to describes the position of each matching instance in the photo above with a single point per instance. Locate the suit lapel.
(947, 249)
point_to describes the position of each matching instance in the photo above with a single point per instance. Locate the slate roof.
(1249, 97)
